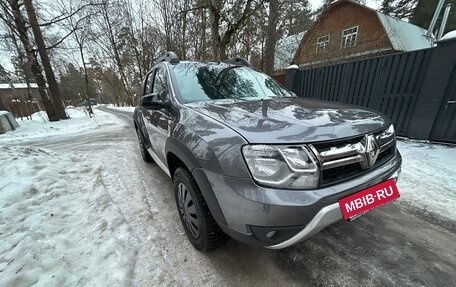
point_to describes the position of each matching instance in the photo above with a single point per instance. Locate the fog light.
(270, 234)
(274, 234)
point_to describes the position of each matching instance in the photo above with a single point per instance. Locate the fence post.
(290, 76)
(435, 83)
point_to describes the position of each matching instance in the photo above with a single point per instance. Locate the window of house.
(349, 37)
(322, 44)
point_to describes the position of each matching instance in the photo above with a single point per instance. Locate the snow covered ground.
(40, 128)
(58, 224)
(57, 220)
(428, 178)
(127, 109)
(78, 207)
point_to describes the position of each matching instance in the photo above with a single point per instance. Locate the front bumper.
(243, 207)
(325, 217)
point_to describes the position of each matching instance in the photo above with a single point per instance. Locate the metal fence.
(415, 89)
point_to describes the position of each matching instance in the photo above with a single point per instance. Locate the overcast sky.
(5, 55)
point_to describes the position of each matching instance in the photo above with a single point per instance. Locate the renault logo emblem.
(370, 151)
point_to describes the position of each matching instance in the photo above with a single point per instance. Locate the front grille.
(344, 160)
(341, 173)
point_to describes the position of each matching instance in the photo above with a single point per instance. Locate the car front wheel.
(200, 227)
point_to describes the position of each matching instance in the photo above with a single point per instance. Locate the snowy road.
(137, 235)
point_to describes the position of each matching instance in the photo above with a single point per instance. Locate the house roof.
(17, 86)
(285, 50)
(403, 35)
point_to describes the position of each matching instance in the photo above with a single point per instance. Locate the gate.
(445, 125)
(389, 84)
(416, 90)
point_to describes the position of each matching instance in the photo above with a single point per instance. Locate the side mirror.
(153, 102)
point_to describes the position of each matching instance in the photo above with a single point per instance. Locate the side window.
(160, 84)
(148, 87)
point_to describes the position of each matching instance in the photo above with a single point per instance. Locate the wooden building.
(20, 100)
(347, 30)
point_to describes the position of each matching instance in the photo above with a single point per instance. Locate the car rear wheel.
(200, 227)
(144, 153)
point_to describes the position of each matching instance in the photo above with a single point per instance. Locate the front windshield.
(204, 82)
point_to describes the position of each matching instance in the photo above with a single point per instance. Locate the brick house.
(347, 30)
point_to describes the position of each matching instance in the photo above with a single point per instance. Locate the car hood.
(291, 120)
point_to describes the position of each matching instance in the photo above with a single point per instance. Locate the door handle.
(451, 102)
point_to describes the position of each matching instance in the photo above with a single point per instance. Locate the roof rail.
(238, 61)
(169, 57)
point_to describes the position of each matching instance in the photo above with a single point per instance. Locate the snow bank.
(58, 224)
(128, 109)
(72, 112)
(40, 128)
(428, 178)
(76, 113)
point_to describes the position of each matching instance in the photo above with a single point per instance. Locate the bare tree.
(53, 86)
(223, 16)
(80, 26)
(14, 19)
(112, 20)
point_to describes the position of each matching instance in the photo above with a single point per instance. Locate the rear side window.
(203, 82)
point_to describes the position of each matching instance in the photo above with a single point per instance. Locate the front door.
(158, 121)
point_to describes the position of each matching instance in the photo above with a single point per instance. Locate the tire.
(144, 153)
(200, 227)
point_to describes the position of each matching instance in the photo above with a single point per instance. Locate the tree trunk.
(53, 86)
(215, 22)
(33, 60)
(203, 55)
(220, 43)
(86, 77)
(2, 106)
(271, 39)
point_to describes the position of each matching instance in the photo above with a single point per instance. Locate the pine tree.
(297, 16)
(402, 9)
(387, 7)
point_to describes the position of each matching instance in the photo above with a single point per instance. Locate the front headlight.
(386, 134)
(292, 167)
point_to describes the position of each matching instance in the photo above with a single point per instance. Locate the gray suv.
(249, 159)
